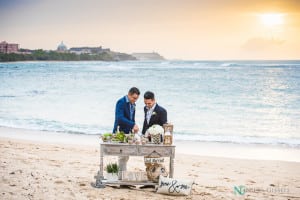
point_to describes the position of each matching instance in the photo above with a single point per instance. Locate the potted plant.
(130, 138)
(106, 137)
(112, 170)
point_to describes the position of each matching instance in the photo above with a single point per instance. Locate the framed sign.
(153, 160)
(134, 176)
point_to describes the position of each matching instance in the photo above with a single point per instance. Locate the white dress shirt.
(149, 113)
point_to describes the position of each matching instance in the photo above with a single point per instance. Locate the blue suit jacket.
(122, 116)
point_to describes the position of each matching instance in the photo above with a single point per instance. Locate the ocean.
(245, 102)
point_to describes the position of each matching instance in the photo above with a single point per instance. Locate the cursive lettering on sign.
(162, 184)
(173, 186)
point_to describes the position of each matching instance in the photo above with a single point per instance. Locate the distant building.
(8, 48)
(62, 48)
(88, 50)
(148, 56)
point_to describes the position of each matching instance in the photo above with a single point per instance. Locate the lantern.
(168, 134)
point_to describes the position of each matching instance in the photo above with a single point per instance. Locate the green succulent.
(112, 168)
(120, 136)
(106, 136)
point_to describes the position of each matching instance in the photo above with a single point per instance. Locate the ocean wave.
(292, 142)
(36, 92)
(52, 126)
(260, 64)
(96, 130)
(228, 64)
(7, 96)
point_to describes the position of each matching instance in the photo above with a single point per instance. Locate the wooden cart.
(123, 149)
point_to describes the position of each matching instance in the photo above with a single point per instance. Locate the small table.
(124, 149)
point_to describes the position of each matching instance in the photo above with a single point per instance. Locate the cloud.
(261, 44)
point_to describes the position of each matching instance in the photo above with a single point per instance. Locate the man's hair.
(134, 90)
(149, 95)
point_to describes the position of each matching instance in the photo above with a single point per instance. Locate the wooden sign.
(134, 176)
(153, 160)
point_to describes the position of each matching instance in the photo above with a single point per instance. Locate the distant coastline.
(10, 52)
(41, 55)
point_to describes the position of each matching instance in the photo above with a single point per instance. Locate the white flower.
(155, 130)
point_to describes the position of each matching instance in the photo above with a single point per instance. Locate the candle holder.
(168, 134)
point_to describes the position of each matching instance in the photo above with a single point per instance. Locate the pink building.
(8, 48)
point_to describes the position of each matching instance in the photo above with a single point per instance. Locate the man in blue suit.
(154, 114)
(125, 112)
(125, 119)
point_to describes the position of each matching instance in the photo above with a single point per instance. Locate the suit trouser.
(122, 164)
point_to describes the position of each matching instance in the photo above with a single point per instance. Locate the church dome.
(62, 47)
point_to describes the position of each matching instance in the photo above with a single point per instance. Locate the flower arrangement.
(155, 131)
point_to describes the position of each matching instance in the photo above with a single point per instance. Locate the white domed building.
(62, 48)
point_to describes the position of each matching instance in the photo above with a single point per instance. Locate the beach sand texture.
(37, 170)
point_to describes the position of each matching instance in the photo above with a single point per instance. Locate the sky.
(177, 29)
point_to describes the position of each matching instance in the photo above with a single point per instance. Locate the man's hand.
(135, 129)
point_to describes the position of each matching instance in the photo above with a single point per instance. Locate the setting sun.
(272, 19)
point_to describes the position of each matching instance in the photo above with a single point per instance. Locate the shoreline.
(209, 149)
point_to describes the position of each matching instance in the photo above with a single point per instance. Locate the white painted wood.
(124, 149)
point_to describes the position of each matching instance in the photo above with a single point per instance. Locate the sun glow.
(272, 19)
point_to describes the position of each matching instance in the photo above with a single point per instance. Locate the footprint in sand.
(193, 175)
(227, 179)
(196, 164)
(238, 172)
(17, 171)
(250, 181)
(205, 194)
(212, 188)
(82, 184)
(90, 196)
(55, 164)
(58, 182)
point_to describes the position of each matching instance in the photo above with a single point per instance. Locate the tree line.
(53, 55)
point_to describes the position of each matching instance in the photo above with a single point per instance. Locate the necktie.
(131, 111)
(148, 115)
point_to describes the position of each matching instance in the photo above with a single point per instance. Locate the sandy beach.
(35, 169)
